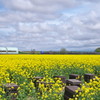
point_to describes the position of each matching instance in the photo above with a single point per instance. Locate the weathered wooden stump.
(88, 77)
(35, 79)
(66, 97)
(70, 92)
(11, 90)
(62, 78)
(73, 82)
(45, 85)
(74, 76)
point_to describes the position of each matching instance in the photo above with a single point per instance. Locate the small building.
(8, 50)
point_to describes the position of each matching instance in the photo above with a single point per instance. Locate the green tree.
(63, 51)
(97, 50)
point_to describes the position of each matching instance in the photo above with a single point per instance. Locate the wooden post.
(63, 78)
(74, 76)
(46, 85)
(70, 92)
(11, 90)
(88, 77)
(73, 82)
(35, 79)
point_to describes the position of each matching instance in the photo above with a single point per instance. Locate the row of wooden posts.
(72, 84)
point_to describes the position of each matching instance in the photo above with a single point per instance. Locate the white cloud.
(47, 25)
(38, 5)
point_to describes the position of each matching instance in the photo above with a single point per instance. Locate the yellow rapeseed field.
(21, 69)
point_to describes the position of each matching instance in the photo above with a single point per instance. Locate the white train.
(8, 50)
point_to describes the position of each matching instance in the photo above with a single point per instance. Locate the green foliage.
(63, 51)
(97, 50)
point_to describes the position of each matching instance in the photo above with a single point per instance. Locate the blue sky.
(50, 24)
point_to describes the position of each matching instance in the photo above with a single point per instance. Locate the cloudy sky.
(50, 24)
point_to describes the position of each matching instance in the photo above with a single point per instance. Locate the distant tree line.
(97, 50)
(61, 51)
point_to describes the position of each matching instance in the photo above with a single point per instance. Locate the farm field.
(21, 70)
